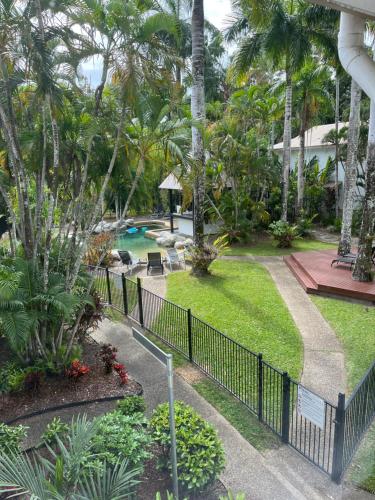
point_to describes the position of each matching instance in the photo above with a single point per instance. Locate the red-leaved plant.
(76, 370)
(107, 354)
(122, 373)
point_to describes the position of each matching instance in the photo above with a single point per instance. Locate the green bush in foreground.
(131, 404)
(200, 454)
(55, 429)
(11, 438)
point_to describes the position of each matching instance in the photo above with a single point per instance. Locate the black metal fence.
(266, 391)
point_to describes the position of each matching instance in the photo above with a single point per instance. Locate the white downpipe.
(353, 54)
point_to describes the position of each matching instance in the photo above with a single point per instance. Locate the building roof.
(171, 182)
(314, 137)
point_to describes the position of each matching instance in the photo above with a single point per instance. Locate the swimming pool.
(136, 243)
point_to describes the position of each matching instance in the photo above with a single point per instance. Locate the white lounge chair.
(174, 257)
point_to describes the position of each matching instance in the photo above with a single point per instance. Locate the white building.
(315, 145)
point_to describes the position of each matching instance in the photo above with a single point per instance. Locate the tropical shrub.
(131, 404)
(200, 453)
(284, 233)
(55, 429)
(120, 437)
(99, 251)
(64, 473)
(305, 223)
(122, 372)
(108, 355)
(76, 370)
(202, 257)
(11, 438)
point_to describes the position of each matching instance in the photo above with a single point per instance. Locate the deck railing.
(267, 392)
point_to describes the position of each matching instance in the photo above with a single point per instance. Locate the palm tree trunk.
(337, 118)
(301, 162)
(362, 269)
(138, 175)
(286, 146)
(198, 113)
(350, 169)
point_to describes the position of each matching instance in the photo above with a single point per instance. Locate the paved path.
(278, 475)
(323, 366)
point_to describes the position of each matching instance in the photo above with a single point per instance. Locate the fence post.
(260, 386)
(124, 294)
(140, 305)
(108, 286)
(286, 408)
(190, 339)
(338, 443)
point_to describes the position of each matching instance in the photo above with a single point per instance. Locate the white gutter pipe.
(353, 54)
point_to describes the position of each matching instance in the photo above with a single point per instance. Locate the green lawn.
(268, 247)
(241, 300)
(354, 324)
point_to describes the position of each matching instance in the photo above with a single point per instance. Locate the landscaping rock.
(115, 255)
(167, 241)
(129, 222)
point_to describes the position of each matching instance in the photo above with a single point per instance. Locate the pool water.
(136, 243)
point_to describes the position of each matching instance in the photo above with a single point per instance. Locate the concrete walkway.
(323, 366)
(278, 475)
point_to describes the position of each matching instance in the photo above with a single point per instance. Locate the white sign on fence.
(311, 406)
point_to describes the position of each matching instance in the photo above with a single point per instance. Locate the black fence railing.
(266, 391)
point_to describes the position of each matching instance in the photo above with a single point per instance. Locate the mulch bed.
(58, 390)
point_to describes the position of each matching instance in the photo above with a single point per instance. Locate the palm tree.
(283, 32)
(198, 114)
(310, 93)
(350, 169)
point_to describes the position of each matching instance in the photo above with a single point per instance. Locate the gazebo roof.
(171, 182)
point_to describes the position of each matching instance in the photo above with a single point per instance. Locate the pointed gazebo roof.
(171, 182)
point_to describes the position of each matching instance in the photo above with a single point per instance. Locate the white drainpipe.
(353, 55)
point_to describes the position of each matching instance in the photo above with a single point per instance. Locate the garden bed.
(58, 391)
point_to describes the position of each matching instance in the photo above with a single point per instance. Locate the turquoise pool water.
(136, 243)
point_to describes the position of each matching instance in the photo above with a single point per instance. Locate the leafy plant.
(11, 438)
(76, 370)
(99, 251)
(122, 373)
(131, 404)
(11, 378)
(305, 223)
(64, 474)
(120, 437)
(55, 429)
(108, 356)
(284, 233)
(32, 379)
(203, 257)
(200, 453)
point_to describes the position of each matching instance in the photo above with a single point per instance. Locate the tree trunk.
(301, 162)
(198, 113)
(362, 269)
(337, 151)
(286, 146)
(350, 170)
(138, 175)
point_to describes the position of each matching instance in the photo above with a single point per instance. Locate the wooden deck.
(314, 272)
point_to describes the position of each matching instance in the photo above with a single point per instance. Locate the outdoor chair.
(173, 257)
(350, 258)
(127, 260)
(154, 261)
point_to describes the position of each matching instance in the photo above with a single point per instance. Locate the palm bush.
(64, 474)
(284, 233)
(40, 320)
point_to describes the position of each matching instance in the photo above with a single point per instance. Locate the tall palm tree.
(310, 94)
(198, 114)
(282, 32)
(350, 169)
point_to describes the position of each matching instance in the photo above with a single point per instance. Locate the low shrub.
(131, 404)
(120, 437)
(200, 453)
(284, 233)
(76, 370)
(55, 429)
(108, 356)
(11, 438)
(305, 223)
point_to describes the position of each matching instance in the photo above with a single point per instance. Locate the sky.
(216, 11)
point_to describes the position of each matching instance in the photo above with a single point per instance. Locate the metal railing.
(267, 392)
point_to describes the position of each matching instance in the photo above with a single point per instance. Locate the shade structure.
(364, 8)
(171, 182)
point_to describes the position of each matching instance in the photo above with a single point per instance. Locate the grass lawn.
(241, 300)
(354, 325)
(266, 246)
